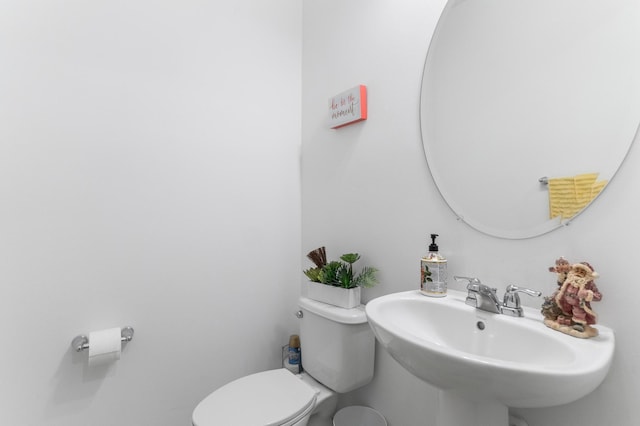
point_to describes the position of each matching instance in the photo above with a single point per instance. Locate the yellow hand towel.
(569, 195)
(562, 196)
(584, 184)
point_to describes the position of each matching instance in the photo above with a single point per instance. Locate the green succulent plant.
(340, 273)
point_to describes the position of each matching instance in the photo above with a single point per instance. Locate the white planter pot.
(338, 296)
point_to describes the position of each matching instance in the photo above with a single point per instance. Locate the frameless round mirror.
(514, 92)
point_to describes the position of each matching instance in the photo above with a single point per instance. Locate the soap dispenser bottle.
(433, 272)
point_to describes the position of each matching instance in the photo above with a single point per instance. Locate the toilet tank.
(337, 345)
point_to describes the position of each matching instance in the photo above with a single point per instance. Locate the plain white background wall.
(149, 176)
(366, 188)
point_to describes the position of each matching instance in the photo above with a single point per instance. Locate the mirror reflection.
(514, 93)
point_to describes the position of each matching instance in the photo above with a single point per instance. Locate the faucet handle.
(515, 289)
(511, 297)
(472, 283)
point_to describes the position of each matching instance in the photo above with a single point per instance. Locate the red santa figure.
(575, 296)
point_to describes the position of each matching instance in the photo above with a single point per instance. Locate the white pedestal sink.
(484, 363)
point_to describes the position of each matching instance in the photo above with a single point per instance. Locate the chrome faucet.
(485, 298)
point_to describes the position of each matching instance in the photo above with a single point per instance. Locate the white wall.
(366, 188)
(149, 176)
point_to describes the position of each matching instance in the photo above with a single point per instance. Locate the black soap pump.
(433, 272)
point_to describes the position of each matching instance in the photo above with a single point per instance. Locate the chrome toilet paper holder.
(80, 343)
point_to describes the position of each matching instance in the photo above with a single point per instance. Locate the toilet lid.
(269, 398)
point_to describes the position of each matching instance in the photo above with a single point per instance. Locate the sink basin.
(516, 362)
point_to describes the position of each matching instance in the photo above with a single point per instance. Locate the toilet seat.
(269, 398)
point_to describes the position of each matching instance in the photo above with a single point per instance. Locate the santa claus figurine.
(573, 301)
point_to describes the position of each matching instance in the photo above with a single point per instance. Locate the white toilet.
(338, 350)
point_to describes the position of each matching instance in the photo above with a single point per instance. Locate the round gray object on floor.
(357, 415)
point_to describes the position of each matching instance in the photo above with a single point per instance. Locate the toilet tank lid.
(355, 315)
(273, 397)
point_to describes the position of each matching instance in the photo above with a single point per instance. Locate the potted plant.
(335, 282)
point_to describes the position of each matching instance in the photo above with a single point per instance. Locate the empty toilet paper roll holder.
(80, 343)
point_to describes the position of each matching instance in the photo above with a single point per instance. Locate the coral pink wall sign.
(348, 107)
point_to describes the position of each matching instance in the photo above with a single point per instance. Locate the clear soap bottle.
(433, 272)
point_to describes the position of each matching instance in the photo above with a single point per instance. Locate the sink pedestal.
(455, 410)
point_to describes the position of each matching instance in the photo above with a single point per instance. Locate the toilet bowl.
(269, 398)
(326, 401)
(338, 349)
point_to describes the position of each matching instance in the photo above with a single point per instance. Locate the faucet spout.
(480, 296)
(488, 300)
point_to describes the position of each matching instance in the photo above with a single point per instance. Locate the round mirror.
(528, 108)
